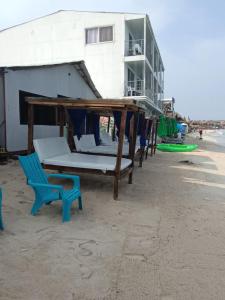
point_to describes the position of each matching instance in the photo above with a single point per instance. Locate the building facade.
(17, 83)
(119, 50)
(168, 107)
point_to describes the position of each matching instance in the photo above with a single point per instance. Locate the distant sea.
(216, 136)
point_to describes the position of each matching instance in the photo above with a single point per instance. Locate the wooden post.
(149, 137)
(143, 132)
(61, 120)
(114, 131)
(132, 145)
(152, 138)
(131, 136)
(69, 130)
(156, 131)
(108, 124)
(119, 154)
(30, 127)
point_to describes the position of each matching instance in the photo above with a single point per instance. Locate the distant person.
(200, 133)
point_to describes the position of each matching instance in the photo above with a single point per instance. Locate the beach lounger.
(1, 221)
(86, 144)
(54, 153)
(106, 139)
(45, 192)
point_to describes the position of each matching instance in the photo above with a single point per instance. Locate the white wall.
(46, 81)
(61, 38)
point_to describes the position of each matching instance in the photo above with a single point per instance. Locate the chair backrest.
(32, 168)
(86, 142)
(51, 147)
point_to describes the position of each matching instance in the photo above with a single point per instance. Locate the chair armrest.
(46, 186)
(75, 178)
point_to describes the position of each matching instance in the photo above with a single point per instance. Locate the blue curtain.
(117, 118)
(96, 128)
(142, 130)
(77, 117)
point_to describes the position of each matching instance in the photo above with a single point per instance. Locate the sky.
(190, 35)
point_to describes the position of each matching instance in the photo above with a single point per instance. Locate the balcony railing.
(134, 47)
(134, 88)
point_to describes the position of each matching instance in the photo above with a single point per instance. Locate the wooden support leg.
(146, 151)
(130, 180)
(119, 153)
(152, 140)
(143, 134)
(149, 137)
(141, 157)
(108, 126)
(156, 131)
(30, 127)
(61, 121)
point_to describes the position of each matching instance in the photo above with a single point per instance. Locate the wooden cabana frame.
(92, 105)
(154, 134)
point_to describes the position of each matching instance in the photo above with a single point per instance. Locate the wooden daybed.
(117, 167)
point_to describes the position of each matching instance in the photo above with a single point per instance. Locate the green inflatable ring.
(176, 147)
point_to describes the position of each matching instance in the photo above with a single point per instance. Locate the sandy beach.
(164, 239)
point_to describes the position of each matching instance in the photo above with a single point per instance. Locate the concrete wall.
(60, 37)
(47, 81)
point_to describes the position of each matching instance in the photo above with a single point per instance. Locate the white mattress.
(86, 141)
(51, 147)
(55, 151)
(109, 149)
(104, 149)
(86, 161)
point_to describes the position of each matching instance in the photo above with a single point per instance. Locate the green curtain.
(167, 126)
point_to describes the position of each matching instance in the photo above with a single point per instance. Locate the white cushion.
(106, 139)
(86, 161)
(111, 150)
(86, 142)
(50, 147)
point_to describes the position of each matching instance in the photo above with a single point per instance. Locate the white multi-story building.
(119, 50)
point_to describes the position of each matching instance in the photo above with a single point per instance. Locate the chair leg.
(36, 206)
(80, 203)
(1, 223)
(66, 211)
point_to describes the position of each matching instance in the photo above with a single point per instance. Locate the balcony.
(134, 88)
(134, 47)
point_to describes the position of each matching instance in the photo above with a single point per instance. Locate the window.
(106, 34)
(99, 35)
(91, 35)
(43, 115)
(130, 75)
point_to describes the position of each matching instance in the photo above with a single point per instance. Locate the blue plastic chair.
(45, 192)
(1, 222)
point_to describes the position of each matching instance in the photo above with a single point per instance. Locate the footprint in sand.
(85, 251)
(86, 273)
